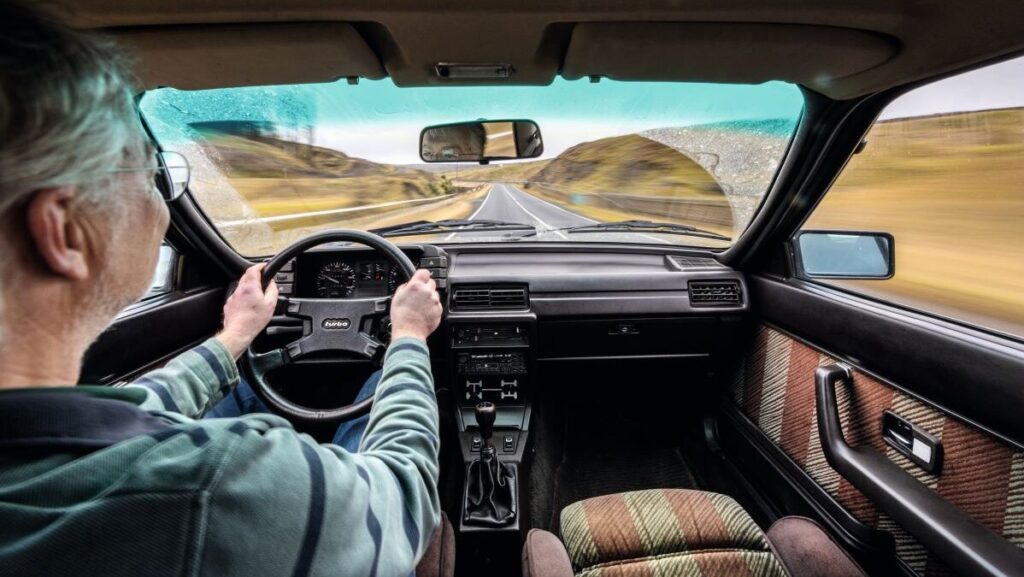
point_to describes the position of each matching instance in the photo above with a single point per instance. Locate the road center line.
(531, 215)
(580, 216)
(565, 210)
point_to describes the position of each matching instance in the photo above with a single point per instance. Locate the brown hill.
(254, 156)
(628, 164)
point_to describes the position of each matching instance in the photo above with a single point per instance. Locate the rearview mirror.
(481, 141)
(844, 254)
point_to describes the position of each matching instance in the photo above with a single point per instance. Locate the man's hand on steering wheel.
(416, 308)
(247, 311)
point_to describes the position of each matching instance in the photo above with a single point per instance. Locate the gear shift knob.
(485, 413)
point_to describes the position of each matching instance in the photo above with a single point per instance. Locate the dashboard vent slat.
(715, 293)
(489, 298)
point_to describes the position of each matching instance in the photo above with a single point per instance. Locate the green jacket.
(124, 481)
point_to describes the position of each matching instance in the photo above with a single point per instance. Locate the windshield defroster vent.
(715, 293)
(489, 298)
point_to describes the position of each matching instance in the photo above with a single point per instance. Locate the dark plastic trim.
(949, 533)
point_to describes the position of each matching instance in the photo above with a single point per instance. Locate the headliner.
(840, 48)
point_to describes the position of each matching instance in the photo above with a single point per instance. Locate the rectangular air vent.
(489, 298)
(715, 293)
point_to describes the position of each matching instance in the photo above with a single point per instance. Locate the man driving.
(128, 480)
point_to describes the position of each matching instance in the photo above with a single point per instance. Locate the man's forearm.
(402, 434)
(191, 382)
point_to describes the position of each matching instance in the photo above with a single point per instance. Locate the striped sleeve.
(192, 382)
(328, 511)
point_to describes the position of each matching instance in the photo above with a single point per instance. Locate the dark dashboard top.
(559, 283)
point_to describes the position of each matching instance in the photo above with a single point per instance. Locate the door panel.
(774, 389)
(149, 333)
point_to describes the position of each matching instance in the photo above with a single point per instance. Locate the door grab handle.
(950, 534)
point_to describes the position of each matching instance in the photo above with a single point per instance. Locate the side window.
(942, 175)
(163, 276)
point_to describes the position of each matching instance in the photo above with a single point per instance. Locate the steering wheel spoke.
(264, 363)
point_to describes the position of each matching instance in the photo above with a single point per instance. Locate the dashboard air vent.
(489, 298)
(715, 293)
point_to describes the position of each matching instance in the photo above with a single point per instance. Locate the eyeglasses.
(173, 168)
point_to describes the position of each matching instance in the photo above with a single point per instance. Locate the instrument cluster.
(340, 277)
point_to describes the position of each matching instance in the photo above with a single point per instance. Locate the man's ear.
(56, 235)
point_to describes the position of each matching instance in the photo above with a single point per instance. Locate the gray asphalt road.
(510, 203)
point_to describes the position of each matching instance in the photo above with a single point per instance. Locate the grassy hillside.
(512, 172)
(950, 188)
(280, 177)
(628, 164)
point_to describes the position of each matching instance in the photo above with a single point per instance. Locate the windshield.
(272, 164)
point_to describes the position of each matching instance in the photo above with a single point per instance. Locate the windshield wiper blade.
(640, 226)
(449, 225)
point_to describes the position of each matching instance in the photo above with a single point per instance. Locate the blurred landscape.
(289, 188)
(621, 178)
(950, 188)
(279, 177)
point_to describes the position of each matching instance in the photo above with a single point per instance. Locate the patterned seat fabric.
(665, 532)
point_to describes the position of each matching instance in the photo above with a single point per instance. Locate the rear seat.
(679, 533)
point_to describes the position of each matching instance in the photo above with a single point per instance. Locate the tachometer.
(336, 280)
(395, 277)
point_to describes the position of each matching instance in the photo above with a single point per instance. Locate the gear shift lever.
(490, 493)
(485, 414)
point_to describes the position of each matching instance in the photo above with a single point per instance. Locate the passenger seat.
(680, 533)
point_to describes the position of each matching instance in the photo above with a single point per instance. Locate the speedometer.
(336, 280)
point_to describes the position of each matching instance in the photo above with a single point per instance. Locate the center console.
(493, 365)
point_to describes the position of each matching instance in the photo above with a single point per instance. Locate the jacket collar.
(72, 419)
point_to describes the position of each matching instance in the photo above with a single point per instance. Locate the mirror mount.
(481, 141)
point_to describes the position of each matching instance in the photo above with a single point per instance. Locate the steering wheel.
(335, 325)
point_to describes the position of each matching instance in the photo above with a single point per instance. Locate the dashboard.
(509, 314)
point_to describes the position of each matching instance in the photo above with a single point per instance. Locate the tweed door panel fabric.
(665, 532)
(774, 388)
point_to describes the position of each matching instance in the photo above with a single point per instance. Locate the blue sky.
(381, 122)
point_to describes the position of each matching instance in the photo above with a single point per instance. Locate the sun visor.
(722, 52)
(218, 56)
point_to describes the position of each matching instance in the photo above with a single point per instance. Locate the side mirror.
(844, 254)
(481, 141)
(177, 173)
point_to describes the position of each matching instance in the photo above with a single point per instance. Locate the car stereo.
(491, 362)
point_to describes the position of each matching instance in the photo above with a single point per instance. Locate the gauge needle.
(333, 280)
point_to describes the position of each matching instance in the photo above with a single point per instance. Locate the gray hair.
(67, 117)
(67, 113)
